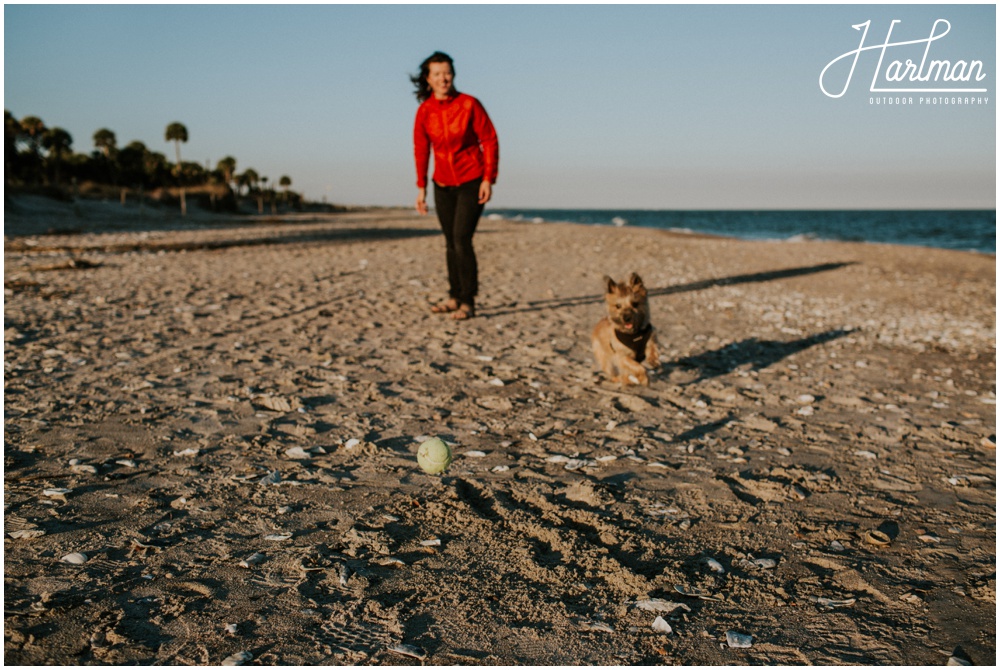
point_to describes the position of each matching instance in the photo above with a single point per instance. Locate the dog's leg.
(653, 352)
(632, 368)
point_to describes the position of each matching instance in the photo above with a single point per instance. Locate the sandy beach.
(211, 429)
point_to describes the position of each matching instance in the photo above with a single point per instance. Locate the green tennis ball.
(434, 456)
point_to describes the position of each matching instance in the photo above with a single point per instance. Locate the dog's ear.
(610, 284)
(635, 281)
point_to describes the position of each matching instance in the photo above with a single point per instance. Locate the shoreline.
(823, 430)
(58, 216)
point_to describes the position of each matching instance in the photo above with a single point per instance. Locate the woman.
(466, 153)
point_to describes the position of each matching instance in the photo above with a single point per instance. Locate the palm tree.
(106, 142)
(177, 133)
(227, 166)
(32, 129)
(285, 182)
(249, 178)
(58, 143)
(11, 131)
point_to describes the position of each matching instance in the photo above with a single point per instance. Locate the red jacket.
(464, 141)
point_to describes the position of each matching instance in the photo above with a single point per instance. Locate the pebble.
(239, 658)
(297, 453)
(271, 478)
(715, 566)
(252, 560)
(660, 625)
(76, 558)
(738, 640)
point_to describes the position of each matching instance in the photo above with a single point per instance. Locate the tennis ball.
(434, 456)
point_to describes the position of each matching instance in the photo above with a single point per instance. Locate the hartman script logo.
(928, 76)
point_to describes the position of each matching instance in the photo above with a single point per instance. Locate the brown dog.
(625, 339)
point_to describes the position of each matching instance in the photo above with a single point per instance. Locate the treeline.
(38, 158)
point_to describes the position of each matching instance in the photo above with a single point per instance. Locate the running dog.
(625, 340)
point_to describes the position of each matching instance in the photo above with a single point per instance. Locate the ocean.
(966, 230)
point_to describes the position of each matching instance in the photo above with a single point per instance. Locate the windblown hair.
(420, 80)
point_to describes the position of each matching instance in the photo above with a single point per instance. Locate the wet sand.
(814, 467)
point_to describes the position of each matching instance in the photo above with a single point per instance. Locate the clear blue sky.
(650, 106)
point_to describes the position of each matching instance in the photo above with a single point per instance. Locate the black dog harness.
(636, 342)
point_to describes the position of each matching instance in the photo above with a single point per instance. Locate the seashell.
(532, 437)
(495, 382)
(738, 640)
(606, 459)
(658, 605)
(597, 626)
(660, 625)
(836, 545)
(577, 463)
(831, 603)
(127, 462)
(475, 454)
(684, 524)
(558, 458)
(273, 403)
(864, 453)
(239, 658)
(253, 560)
(500, 468)
(877, 538)
(187, 452)
(765, 563)
(805, 399)
(391, 562)
(715, 566)
(83, 469)
(695, 593)
(958, 660)
(390, 518)
(297, 453)
(271, 478)
(231, 628)
(351, 443)
(26, 534)
(284, 509)
(278, 537)
(56, 493)
(76, 558)
(431, 543)
(410, 650)
(929, 539)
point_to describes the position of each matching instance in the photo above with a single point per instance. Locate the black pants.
(458, 210)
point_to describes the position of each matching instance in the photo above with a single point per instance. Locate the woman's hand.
(422, 201)
(485, 192)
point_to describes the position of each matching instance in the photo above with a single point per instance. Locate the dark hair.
(420, 80)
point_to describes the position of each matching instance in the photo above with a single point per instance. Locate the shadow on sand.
(301, 237)
(759, 354)
(757, 277)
